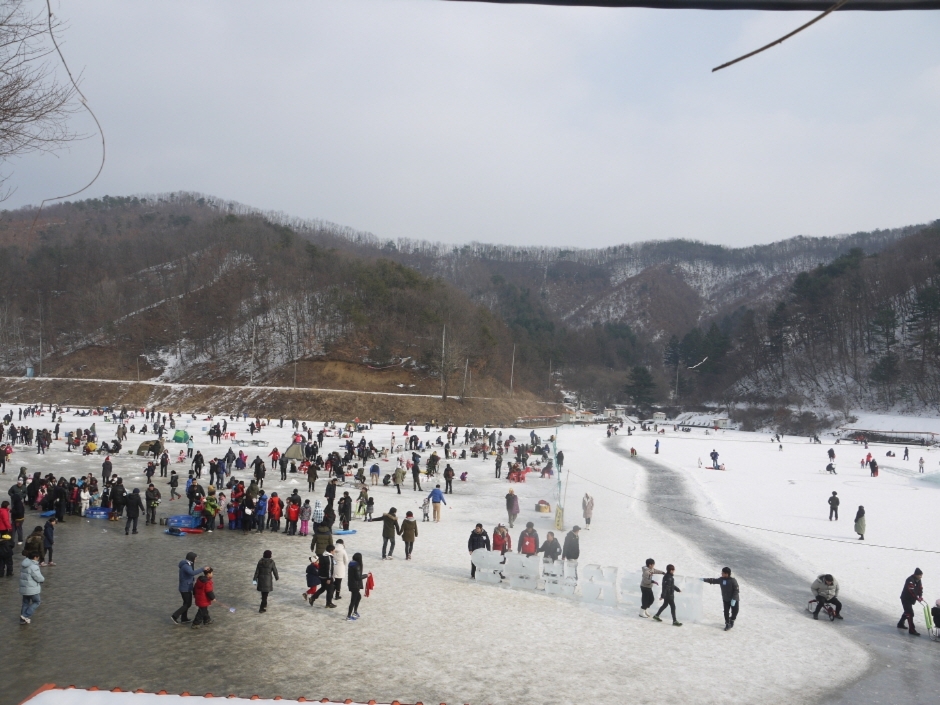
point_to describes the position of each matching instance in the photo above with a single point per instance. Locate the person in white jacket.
(84, 499)
(341, 559)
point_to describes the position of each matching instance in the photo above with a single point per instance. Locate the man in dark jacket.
(448, 479)
(551, 548)
(572, 548)
(134, 507)
(118, 498)
(390, 529)
(913, 592)
(326, 570)
(729, 595)
(478, 539)
(188, 573)
(48, 539)
(834, 506)
(152, 497)
(528, 544)
(106, 468)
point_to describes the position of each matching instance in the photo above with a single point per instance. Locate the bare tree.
(34, 104)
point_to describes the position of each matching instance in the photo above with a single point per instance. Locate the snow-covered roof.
(51, 694)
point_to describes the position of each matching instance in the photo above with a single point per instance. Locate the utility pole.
(251, 369)
(295, 374)
(549, 375)
(466, 367)
(137, 360)
(512, 369)
(443, 339)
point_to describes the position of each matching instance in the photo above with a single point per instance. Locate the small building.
(660, 417)
(721, 422)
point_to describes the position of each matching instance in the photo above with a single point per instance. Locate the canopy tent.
(147, 447)
(294, 452)
(811, 5)
(180, 437)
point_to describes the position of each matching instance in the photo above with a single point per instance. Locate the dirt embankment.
(298, 403)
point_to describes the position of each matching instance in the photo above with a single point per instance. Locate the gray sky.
(521, 125)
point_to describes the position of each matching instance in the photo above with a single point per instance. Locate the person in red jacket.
(203, 595)
(293, 514)
(275, 508)
(528, 544)
(275, 455)
(502, 542)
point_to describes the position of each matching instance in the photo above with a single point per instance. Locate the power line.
(747, 526)
(84, 102)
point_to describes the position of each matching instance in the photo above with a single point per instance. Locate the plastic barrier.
(183, 521)
(488, 565)
(599, 584)
(522, 571)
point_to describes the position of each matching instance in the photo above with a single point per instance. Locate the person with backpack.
(668, 596)
(204, 596)
(528, 544)
(265, 575)
(354, 585)
(729, 595)
(448, 479)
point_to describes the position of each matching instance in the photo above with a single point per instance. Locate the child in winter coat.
(313, 580)
(306, 512)
(203, 596)
(668, 595)
(935, 614)
(232, 511)
(426, 509)
(370, 506)
(293, 515)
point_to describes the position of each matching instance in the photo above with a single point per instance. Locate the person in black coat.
(354, 585)
(134, 507)
(729, 595)
(572, 549)
(326, 571)
(669, 594)
(118, 497)
(478, 539)
(551, 548)
(913, 592)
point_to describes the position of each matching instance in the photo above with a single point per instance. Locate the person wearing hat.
(134, 507)
(572, 549)
(913, 592)
(528, 544)
(478, 539)
(6, 554)
(187, 579)
(834, 506)
(204, 595)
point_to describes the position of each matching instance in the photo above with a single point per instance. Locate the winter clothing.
(265, 574)
(550, 547)
(572, 547)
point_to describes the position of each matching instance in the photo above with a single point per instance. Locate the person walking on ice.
(834, 506)
(668, 596)
(436, 498)
(920, 465)
(646, 586)
(587, 510)
(729, 595)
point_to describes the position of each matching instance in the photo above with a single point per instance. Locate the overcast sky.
(523, 125)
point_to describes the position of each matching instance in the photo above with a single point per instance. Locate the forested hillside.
(191, 288)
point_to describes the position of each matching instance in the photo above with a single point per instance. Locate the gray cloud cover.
(522, 124)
